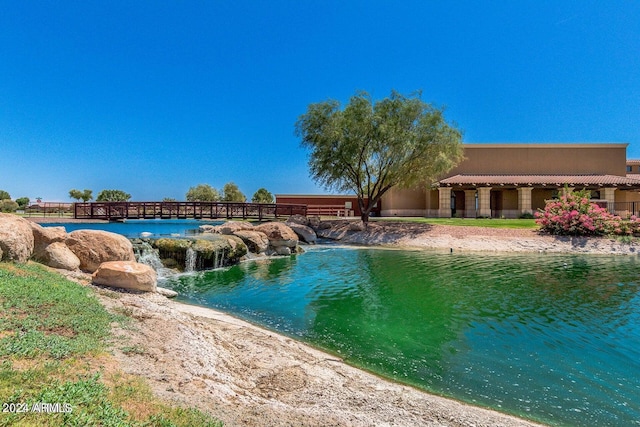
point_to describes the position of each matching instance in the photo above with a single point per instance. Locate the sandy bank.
(466, 238)
(249, 376)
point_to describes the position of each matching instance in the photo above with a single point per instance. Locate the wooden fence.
(116, 211)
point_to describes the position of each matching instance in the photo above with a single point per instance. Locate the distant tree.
(368, 148)
(85, 195)
(22, 202)
(113, 196)
(202, 193)
(231, 193)
(4, 195)
(8, 206)
(169, 199)
(262, 196)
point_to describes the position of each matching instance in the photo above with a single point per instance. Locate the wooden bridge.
(118, 211)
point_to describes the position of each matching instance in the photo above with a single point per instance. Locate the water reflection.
(552, 337)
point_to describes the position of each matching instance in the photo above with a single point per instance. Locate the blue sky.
(155, 97)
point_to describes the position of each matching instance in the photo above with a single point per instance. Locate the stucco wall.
(404, 199)
(563, 159)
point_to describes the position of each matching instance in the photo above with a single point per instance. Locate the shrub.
(8, 206)
(574, 215)
(526, 215)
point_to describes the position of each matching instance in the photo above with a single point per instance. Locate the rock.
(279, 234)
(297, 219)
(166, 292)
(58, 255)
(230, 227)
(256, 241)
(207, 228)
(16, 238)
(238, 248)
(282, 250)
(44, 236)
(323, 225)
(357, 226)
(306, 234)
(314, 222)
(129, 275)
(94, 247)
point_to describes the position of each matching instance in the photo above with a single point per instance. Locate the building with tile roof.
(510, 180)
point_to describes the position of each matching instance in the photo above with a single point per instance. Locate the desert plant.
(574, 215)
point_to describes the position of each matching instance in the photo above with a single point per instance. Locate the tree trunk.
(364, 211)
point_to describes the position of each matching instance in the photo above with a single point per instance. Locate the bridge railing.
(114, 211)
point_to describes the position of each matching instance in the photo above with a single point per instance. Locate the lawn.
(470, 222)
(54, 339)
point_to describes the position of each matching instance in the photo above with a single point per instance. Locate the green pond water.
(554, 338)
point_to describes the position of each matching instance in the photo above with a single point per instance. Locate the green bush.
(8, 206)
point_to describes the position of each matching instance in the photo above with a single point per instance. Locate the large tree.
(231, 193)
(113, 196)
(85, 195)
(262, 196)
(202, 193)
(4, 195)
(22, 202)
(369, 147)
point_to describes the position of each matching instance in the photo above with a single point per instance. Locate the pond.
(140, 228)
(554, 338)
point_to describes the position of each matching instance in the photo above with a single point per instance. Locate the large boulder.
(238, 248)
(256, 241)
(129, 275)
(278, 234)
(44, 236)
(297, 219)
(306, 234)
(58, 255)
(94, 247)
(16, 238)
(230, 227)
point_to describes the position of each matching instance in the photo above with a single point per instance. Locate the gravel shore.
(249, 376)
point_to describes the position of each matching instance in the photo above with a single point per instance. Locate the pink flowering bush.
(575, 215)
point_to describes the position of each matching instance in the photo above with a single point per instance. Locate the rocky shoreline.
(468, 238)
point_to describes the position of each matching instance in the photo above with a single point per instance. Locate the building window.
(629, 168)
(595, 195)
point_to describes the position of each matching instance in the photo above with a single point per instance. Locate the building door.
(496, 204)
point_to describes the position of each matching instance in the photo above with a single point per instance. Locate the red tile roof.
(558, 180)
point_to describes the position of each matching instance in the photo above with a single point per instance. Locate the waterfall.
(145, 254)
(190, 260)
(218, 258)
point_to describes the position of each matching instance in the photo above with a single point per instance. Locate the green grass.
(471, 222)
(54, 335)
